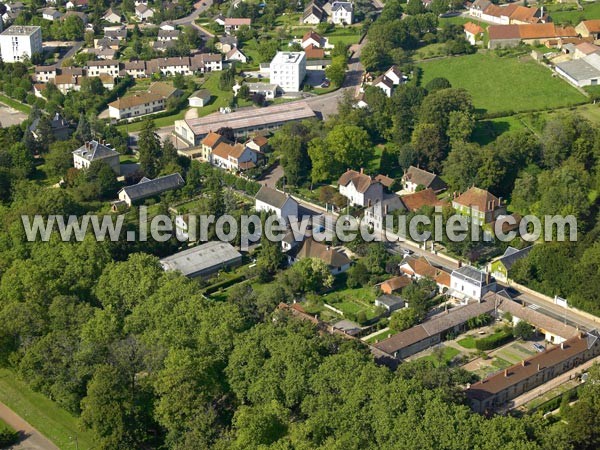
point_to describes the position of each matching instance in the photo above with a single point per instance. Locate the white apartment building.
(19, 41)
(288, 70)
(136, 105)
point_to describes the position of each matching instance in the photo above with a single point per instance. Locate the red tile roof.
(313, 52)
(480, 198)
(473, 28)
(212, 139)
(416, 201)
(593, 26)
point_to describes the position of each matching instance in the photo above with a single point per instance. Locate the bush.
(8, 436)
(493, 341)
(523, 330)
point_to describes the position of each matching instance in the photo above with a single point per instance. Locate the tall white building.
(288, 70)
(19, 41)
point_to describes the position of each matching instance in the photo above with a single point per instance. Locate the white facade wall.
(288, 70)
(105, 69)
(288, 211)
(21, 42)
(138, 110)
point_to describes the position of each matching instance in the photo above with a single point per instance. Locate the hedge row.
(493, 341)
(224, 284)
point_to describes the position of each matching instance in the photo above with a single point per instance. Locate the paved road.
(199, 8)
(271, 179)
(31, 439)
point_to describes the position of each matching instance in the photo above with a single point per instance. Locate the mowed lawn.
(43, 414)
(503, 84)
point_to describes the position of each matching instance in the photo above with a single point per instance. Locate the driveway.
(271, 179)
(31, 439)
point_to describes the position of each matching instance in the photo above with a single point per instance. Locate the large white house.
(92, 151)
(360, 189)
(288, 70)
(468, 282)
(341, 13)
(280, 203)
(20, 41)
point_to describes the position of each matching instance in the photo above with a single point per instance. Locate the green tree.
(139, 277)
(307, 275)
(429, 145)
(150, 149)
(523, 330)
(461, 167)
(103, 177)
(109, 412)
(336, 72)
(404, 319)
(260, 425)
(460, 126)
(270, 260)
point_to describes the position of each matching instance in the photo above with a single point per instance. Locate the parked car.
(407, 252)
(326, 83)
(539, 347)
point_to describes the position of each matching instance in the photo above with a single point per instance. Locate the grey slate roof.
(342, 5)
(148, 188)
(117, 33)
(437, 324)
(391, 300)
(271, 197)
(171, 34)
(470, 273)
(201, 258)
(579, 69)
(512, 255)
(94, 150)
(424, 178)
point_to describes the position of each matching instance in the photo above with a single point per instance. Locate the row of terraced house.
(184, 65)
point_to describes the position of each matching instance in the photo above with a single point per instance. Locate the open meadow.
(503, 84)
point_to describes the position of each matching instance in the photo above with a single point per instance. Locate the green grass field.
(15, 104)
(487, 131)
(43, 414)
(379, 336)
(447, 356)
(590, 11)
(503, 84)
(468, 342)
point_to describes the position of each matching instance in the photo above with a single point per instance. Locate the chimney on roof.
(506, 372)
(362, 170)
(562, 345)
(539, 367)
(523, 363)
